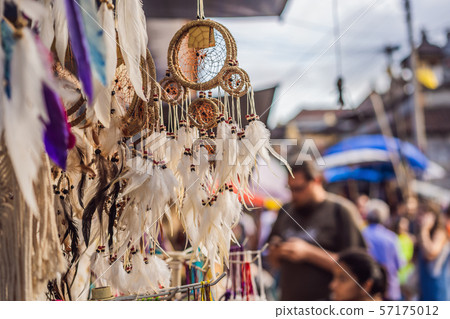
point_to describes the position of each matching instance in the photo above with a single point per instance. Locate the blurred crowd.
(325, 247)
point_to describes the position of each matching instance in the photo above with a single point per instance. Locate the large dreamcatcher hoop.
(198, 52)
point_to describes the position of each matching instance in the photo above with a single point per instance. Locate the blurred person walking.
(433, 256)
(406, 274)
(308, 234)
(384, 245)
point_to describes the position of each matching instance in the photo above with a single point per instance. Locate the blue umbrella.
(370, 174)
(367, 157)
(381, 144)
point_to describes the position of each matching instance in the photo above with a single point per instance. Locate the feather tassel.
(61, 30)
(102, 105)
(95, 38)
(132, 39)
(47, 32)
(80, 46)
(25, 117)
(56, 137)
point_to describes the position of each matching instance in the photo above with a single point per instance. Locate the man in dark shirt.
(308, 234)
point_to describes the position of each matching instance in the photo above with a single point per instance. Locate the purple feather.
(56, 136)
(80, 46)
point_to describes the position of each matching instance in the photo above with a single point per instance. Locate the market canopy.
(368, 157)
(213, 8)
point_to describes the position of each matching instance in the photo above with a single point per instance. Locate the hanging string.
(238, 111)
(200, 10)
(233, 115)
(338, 53)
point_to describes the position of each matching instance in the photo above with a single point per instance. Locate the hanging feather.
(118, 276)
(24, 118)
(34, 10)
(95, 38)
(61, 30)
(174, 153)
(112, 213)
(102, 105)
(47, 32)
(259, 137)
(100, 267)
(80, 46)
(132, 39)
(106, 20)
(97, 201)
(72, 230)
(110, 136)
(56, 137)
(160, 270)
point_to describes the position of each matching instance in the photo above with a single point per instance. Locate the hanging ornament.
(203, 112)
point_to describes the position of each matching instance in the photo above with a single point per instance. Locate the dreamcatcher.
(219, 153)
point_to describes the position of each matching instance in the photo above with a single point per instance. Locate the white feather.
(257, 133)
(102, 103)
(184, 168)
(131, 33)
(61, 30)
(109, 137)
(47, 32)
(118, 276)
(24, 118)
(182, 137)
(161, 270)
(32, 9)
(100, 267)
(174, 153)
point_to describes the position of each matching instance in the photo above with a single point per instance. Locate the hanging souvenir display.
(81, 87)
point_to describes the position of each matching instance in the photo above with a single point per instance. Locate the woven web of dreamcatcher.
(202, 65)
(233, 80)
(124, 91)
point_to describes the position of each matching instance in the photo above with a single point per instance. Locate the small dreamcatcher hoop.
(234, 80)
(172, 90)
(203, 113)
(198, 52)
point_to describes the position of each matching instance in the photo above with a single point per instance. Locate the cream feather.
(47, 32)
(131, 32)
(24, 126)
(109, 137)
(102, 103)
(61, 30)
(174, 153)
(34, 10)
(184, 168)
(257, 133)
(161, 270)
(118, 276)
